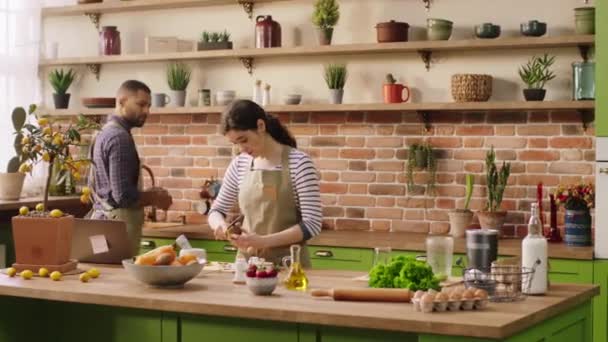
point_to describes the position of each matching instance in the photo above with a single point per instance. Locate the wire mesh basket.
(504, 283)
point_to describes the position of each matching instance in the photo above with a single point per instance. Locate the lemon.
(76, 176)
(23, 168)
(56, 213)
(46, 157)
(11, 271)
(85, 199)
(93, 272)
(24, 211)
(43, 122)
(85, 277)
(58, 140)
(25, 140)
(43, 272)
(39, 207)
(56, 275)
(27, 274)
(47, 131)
(86, 190)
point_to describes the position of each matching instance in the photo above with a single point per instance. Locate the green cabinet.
(600, 303)
(232, 329)
(336, 334)
(571, 271)
(340, 258)
(601, 69)
(216, 250)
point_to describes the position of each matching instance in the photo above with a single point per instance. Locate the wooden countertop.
(368, 239)
(214, 294)
(32, 201)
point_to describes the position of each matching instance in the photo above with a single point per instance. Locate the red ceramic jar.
(109, 41)
(267, 32)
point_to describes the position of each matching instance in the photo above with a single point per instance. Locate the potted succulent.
(421, 157)
(178, 78)
(461, 218)
(43, 238)
(335, 77)
(214, 41)
(496, 182)
(325, 16)
(535, 75)
(61, 81)
(11, 182)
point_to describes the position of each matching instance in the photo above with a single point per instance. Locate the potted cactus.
(214, 41)
(325, 16)
(61, 81)
(335, 77)
(43, 238)
(461, 218)
(393, 91)
(421, 157)
(496, 182)
(535, 75)
(178, 78)
(11, 182)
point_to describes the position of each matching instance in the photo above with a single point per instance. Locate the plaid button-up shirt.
(116, 165)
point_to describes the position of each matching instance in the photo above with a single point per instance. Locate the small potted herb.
(461, 218)
(335, 77)
(496, 183)
(421, 157)
(61, 81)
(178, 78)
(325, 16)
(214, 41)
(535, 75)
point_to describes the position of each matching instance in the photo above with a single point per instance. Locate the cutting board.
(160, 225)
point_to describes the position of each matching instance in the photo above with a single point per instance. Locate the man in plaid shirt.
(116, 171)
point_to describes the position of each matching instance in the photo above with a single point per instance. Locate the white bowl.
(262, 286)
(162, 276)
(292, 99)
(200, 253)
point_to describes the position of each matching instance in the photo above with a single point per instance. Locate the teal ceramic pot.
(533, 28)
(438, 29)
(487, 31)
(584, 20)
(583, 81)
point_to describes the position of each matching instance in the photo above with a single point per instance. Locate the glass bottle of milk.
(534, 253)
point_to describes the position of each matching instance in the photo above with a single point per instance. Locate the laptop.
(100, 241)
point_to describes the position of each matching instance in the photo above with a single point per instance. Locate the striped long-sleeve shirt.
(305, 188)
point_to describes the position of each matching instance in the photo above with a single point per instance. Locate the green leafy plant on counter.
(403, 272)
(326, 14)
(422, 157)
(61, 81)
(335, 76)
(496, 181)
(536, 73)
(178, 76)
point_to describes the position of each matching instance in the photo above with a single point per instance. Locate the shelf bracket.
(427, 4)
(584, 50)
(426, 58)
(94, 69)
(94, 19)
(587, 117)
(247, 63)
(425, 118)
(247, 6)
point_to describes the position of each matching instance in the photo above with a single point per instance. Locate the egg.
(431, 291)
(455, 296)
(419, 294)
(481, 294)
(428, 298)
(468, 294)
(441, 297)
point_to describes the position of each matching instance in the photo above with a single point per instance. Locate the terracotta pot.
(392, 31)
(11, 185)
(42, 241)
(324, 35)
(492, 219)
(459, 221)
(267, 32)
(393, 93)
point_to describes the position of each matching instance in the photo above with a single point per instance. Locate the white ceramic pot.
(178, 98)
(11, 185)
(335, 96)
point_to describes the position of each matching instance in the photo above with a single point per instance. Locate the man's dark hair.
(133, 86)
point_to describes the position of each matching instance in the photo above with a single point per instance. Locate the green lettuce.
(403, 272)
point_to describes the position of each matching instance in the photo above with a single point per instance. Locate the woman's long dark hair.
(243, 115)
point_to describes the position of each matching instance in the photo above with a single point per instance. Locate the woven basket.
(471, 87)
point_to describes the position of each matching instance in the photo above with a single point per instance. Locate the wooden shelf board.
(344, 49)
(136, 5)
(498, 106)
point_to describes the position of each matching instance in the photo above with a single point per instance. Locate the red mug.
(393, 93)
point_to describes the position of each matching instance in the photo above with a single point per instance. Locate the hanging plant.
(421, 157)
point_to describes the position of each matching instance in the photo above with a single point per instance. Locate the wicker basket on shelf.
(471, 87)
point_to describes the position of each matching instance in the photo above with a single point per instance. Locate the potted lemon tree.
(43, 237)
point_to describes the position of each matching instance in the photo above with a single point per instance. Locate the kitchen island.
(115, 307)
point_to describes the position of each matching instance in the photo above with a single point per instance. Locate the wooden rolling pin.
(365, 294)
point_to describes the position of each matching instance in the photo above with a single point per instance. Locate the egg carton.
(433, 301)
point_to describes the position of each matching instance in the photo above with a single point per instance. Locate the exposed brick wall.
(362, 157)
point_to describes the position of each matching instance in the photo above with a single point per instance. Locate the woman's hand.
(246, 240)
(220, 233)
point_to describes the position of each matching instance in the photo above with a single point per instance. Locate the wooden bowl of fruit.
(261, 279)
(162, 268)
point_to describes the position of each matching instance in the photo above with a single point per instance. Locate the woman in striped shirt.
(275, 184)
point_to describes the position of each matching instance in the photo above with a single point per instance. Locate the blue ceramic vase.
(578, 228)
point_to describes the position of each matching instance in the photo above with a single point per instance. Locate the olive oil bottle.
(296, 278)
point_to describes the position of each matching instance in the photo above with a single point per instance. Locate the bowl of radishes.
(261, 280)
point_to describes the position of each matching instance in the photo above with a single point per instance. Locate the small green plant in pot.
(214, 41)
(496, 183)
(325, 16)
(335, 77)
(421, 157)
(535, 74)
(61, 81)
(460, 219)
(178, 78)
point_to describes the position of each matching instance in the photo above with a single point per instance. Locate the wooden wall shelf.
(424, 48)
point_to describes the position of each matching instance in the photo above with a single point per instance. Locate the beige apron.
(267, 202)
(132, 216)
